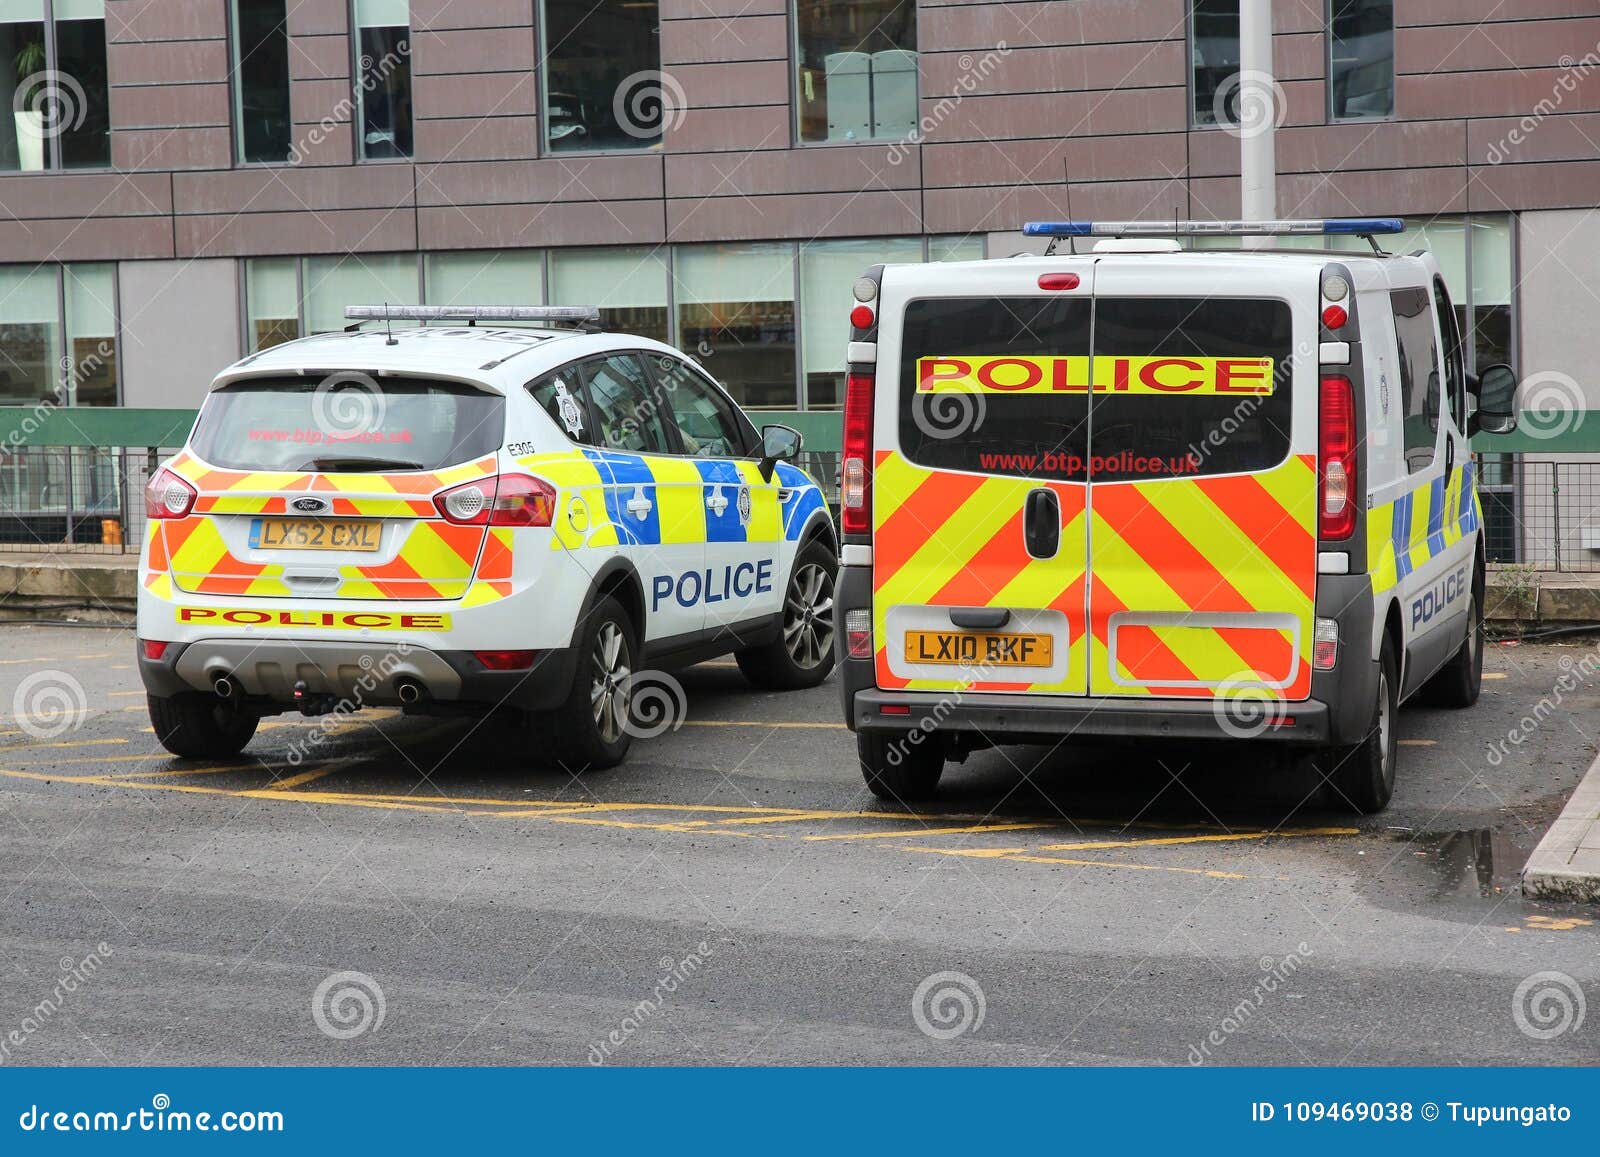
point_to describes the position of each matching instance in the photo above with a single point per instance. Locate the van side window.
(1455, 375)
(1419, 375)
(560, 394)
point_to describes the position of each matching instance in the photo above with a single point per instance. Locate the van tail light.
(1336, 458)
(856, 470)
(504, 500)
(168, 496)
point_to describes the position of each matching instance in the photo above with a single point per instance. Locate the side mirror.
(1497, 401)
(778, 444)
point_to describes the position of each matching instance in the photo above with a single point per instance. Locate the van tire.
(1458, 682)
(608, 651)
(199, 726)
(897, 769)
(1362, 774)
(802, 654)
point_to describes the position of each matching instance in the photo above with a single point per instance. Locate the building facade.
(183, 181)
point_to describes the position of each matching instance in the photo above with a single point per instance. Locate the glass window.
(827, 271)
(1214, 59)
(604, 88)
(60, 107)
(374, 279)
(627, 283)
(30, 312)
(513, 277)
(272, 301)
(736, 313)
(561, 395)
(1419, 374)
(91, 298)
(383, 78)
(623, 405)
(1491, 290)
(857, 69)
(1361, 59)
(955, 247)
(1455, 378)
(261, 80)
(707, 423)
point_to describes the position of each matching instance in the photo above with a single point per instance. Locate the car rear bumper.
(359, 674)
(1052, 718)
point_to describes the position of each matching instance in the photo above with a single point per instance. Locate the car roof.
(496, 357)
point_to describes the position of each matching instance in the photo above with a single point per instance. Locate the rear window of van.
(347, 424)
(1176, 387)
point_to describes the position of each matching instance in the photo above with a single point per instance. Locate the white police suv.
(462, 519)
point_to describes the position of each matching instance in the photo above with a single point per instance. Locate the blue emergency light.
(1345, 226)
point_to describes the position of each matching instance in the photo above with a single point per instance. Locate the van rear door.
(978, 492)
(1203, 483)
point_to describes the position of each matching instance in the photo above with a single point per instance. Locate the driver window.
(705, 419)
(1455, 377)
(624, 407)
(1419, 375)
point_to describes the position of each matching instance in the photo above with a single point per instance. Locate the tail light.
(506, 660)
(858, 633)
(1336, 458)
(856, 470)
(153, 649)
(504, 500)
(168, 496)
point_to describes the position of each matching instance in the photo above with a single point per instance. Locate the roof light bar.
(1345, 226)
(571, 314)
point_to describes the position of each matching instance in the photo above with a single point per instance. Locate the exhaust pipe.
(225, 687)
(410, 691)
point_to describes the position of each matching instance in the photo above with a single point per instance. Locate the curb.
(1566, 864)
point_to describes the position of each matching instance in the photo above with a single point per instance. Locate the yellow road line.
(294, 781)
(123, 775)
(1091, 845)
(1417, 742)
(1494, 674)
(65, 743)
(96, 655)
(105, 758)
(935, 832)
(1014, 857)
(762, 723)
(125, 694)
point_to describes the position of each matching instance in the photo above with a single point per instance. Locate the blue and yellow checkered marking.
(1404, 534)
(801, 500)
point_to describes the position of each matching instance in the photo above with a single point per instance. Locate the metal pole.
(1258, 119)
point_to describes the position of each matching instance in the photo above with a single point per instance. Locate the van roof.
(1232, 261)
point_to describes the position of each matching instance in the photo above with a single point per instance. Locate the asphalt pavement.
(416, 891)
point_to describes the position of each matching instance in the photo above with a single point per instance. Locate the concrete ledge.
(1566, 864)
(103, 589)
(1525, 599)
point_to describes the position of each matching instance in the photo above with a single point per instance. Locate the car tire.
(1362, 774)
(802, 654)
(898, 767)
(592, 726)
(198, 726)
(1458, 682)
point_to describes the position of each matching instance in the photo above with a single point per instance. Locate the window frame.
(64, 391)
(1196, 125)
(236, 95)
(52, 63)
(358, 148)
(1327, 73)
(1452, 359)
(669, 423)
(542, 147)
(1406, 369)
(796, 136)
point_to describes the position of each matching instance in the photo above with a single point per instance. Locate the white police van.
(1160, 493)
(460, 519)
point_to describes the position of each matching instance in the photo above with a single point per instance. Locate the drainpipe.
(1258, 114)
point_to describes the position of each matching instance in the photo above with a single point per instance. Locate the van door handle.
(1041, 523)
(979, 618)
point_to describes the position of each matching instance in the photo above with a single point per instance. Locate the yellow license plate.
(979, 648)
(315, 534)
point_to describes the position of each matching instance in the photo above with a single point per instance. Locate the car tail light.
(506, 660)
(856, 469)
(168, 496)
(505, 500)
(1336, 458)
(153, 648)
(858, 633)
(1325, 644)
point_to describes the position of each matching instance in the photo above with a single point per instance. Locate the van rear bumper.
(1052, 718)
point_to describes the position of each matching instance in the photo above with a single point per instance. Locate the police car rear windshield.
(347, 423)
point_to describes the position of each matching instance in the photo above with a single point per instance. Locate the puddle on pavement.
(1466, 864)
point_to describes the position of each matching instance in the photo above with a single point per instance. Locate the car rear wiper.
(357, 464)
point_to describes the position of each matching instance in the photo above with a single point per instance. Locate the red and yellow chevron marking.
(493, 579)
(1162, 559)
(956, 539)
(214, 481)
